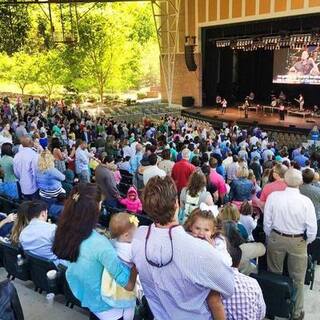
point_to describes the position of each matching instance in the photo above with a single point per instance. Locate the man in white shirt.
(152, 170)
(290, 224)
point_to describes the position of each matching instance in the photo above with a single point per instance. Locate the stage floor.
(266, 119)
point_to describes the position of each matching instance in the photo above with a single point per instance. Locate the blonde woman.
(241, 189)
(48, 177)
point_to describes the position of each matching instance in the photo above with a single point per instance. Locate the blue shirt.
(241, 189)
(49, 180)
(25, 165)
(135, 162)
(82, 160)
(37, 237)
(301, 160)
(84, 275)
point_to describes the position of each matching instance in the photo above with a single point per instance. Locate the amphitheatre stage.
(302, 123)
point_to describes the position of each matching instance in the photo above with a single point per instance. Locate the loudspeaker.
(188, 102)
(189, 57)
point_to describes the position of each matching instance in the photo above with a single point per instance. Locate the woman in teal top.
(6, 163)
(88, 251)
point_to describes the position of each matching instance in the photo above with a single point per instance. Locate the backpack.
(191, 204)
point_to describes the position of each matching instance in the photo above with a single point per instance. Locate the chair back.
(278, 293)
(314, 249)
(9, 260)
(38, 269)
(144, 220)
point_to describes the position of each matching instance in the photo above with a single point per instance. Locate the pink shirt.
(218, 181)
(278, 185)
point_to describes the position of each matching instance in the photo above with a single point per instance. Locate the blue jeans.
(6, 229)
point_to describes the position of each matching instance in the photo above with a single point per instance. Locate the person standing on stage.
(224, 105)
(301, 102)
(218, 102)
(246, 107)
(281, 111)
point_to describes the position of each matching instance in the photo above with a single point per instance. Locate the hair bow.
(134, 220)
(76, 196)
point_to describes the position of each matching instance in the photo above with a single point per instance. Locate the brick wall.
(185, 83)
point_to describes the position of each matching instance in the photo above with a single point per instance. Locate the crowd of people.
(222, 201)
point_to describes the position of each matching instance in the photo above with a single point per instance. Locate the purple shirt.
(179, 289)
(25, 164)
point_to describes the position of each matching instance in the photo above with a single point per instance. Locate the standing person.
(301, 102)
(25, 164)
(217, 180)
(281, 112)
(310, 190)
(177, 271)
(89, 252)
(107, 184)
(290, 224)
(278, 184)
(82, 162)
(224, 105)
(182, 170)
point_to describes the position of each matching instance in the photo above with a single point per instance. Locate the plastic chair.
(313, 259)
(38, 269)
(278, 294)
(9, 260)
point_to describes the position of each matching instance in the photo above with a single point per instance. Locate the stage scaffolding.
(166, 19)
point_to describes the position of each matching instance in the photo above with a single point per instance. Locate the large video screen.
(297, 66)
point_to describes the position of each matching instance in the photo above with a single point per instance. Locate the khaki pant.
(296, 250)
(250, 250)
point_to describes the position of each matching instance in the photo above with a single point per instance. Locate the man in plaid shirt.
(247, 302)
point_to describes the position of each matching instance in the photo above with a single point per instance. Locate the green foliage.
(14, 26)
(117, 51)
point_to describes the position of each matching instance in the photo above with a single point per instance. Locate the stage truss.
(166, 19)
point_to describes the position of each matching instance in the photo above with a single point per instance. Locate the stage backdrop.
(234, 73)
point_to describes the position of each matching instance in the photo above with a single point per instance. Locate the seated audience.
(38, 236)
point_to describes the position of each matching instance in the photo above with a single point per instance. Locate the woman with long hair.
(195, 193)
(20, 223)
(59, 156)
(89, 252)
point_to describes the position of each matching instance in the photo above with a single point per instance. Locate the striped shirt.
(179, 289)
(247, 301)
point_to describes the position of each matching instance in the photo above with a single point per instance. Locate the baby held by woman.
(122, 227)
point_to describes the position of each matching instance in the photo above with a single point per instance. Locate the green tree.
(49, 71)
(101, 44)
(22, 69)
(14, 26)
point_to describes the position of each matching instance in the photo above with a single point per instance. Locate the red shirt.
(181, 172)
(278, 185)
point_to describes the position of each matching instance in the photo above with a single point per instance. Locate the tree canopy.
(116, 49)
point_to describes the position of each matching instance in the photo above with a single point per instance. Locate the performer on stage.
(282, 97)
(281, 111)
(251, 98)
(246, 107)
(301, 102)
(218, 102)
(224, 104)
